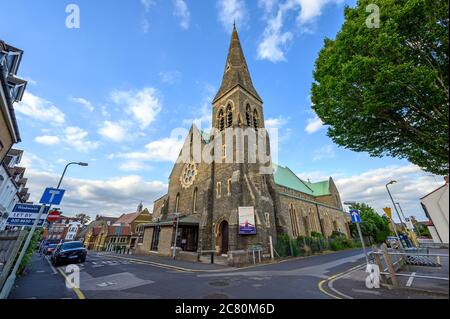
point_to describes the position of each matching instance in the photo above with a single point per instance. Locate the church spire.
(236, 70)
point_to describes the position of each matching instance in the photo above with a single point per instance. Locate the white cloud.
(47, 139)
(110, 197)
(327, 151)
(113, 131)
(277, 122)
(181, 10)
(144, 105)
(275, 41)
(314, 125)
(76, 138)
(134, 166)
(145, 24)
(170, 77)
(40, 109)
(88, 105)
(231, 11)
(369, 187)
(166, 149)
(147, 4)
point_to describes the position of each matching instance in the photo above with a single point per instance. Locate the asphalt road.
(108, 277)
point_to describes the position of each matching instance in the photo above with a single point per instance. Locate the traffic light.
(175, 222)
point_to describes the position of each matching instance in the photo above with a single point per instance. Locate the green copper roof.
(285, 177)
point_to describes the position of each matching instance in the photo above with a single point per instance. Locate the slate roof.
(236, 70)
(285, 177)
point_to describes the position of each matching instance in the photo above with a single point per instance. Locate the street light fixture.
(65, 169)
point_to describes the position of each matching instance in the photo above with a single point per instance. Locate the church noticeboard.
(247, 221)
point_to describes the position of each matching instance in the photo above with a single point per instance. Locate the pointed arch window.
(248, 115)
(194, 200)
(229, 116)
(255, 119)
(177, 202)
(221, 120)
(294, 223)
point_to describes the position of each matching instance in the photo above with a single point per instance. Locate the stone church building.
(229, 206)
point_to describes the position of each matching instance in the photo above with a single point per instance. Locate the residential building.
(12, 89)
(13, 188)
(135, 221)
(64, 228)
(232, 206)
(92, 235)
(436, 206)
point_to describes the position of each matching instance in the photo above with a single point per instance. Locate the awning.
(186, 220)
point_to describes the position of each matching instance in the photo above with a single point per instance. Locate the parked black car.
(69, 253)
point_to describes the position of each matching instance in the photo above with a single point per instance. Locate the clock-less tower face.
(188, 175)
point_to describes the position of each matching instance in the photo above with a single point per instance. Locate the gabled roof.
(285, 177)
(236, 70)
(127, 218)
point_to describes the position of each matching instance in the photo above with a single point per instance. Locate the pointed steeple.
(236, 70)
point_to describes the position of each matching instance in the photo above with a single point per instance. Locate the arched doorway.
(223, 228)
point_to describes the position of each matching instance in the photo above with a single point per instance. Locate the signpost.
(25, 215)
(53, 216)
(50, 196)
(356, 218)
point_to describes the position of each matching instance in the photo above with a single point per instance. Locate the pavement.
(109, 276)
(352, 284)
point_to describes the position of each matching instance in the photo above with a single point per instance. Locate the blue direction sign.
(25, 215)
(354, 214)
(52, 196)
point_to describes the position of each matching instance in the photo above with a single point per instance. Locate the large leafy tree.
(385, 90)
(373, 226)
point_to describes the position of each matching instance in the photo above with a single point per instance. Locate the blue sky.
(111, 93)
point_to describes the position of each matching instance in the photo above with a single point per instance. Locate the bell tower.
(237, 103)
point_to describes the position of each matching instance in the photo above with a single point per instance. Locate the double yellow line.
(76, 290)
(336, 277)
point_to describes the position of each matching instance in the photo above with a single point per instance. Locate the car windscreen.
(72, 245)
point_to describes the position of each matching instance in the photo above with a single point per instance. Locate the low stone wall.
(238, 258)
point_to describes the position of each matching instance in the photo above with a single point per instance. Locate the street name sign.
(25, 215)
(52, 196)
(354, 214)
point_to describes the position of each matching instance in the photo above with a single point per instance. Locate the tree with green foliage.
(84, 219)
(385, 90)
(373, 226)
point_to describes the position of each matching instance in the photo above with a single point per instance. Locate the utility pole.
(396, 210)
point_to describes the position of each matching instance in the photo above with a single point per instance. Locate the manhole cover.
(219, 283)
(216, 296)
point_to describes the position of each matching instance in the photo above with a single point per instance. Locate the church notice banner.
(247, 221)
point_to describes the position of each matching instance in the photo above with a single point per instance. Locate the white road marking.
(373, 292)
(410, 280)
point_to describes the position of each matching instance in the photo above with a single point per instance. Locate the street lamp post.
(395, 206)
(12, 277)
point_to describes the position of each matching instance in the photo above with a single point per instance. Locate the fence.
(10, 243)
(391, 262)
